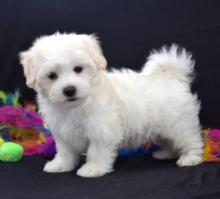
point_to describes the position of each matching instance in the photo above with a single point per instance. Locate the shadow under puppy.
(91, 110)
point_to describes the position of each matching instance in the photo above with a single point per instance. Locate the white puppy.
(91, 110)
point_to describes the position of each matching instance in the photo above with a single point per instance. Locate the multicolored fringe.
(211, 145)
(21, 124)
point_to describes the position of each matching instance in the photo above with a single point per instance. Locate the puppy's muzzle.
(69, 91)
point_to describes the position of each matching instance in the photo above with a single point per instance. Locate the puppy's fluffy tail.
(173, 62)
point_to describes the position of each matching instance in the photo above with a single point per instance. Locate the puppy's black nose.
(69, 91)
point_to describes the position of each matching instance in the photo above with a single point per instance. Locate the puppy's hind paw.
(163, 154)
(190, 160)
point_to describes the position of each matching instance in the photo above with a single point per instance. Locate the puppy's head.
(63, 67)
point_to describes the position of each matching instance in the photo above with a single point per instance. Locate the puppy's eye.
(78, 69)
(52, 76)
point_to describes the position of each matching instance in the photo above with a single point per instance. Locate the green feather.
(3, 97)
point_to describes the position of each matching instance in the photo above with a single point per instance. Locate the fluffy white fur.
(113, 109)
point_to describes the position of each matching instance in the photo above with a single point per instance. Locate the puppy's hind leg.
(165, 151)
(189, 146)
(164, 154)
(191, 151)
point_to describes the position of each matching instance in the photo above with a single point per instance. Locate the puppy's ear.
(26, 60)
(97, 53)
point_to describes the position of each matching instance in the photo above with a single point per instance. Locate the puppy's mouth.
(72, 99)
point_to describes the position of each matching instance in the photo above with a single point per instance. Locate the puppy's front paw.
(92, 170)
(189, 160)
(58, 166)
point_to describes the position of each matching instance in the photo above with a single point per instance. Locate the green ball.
(11, 152)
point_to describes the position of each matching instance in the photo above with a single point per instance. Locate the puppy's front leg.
(65, 160)
(100, 159)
